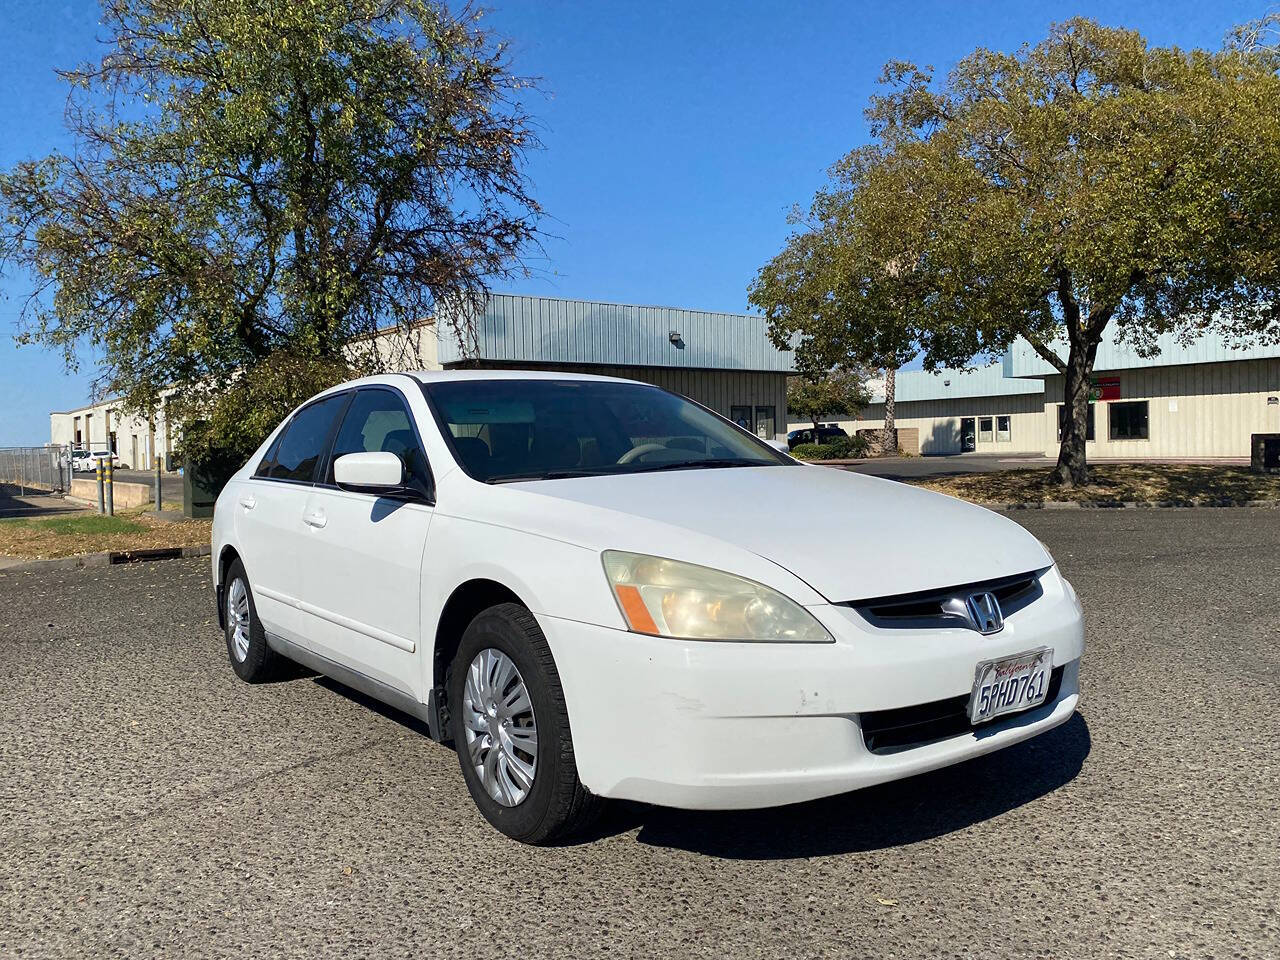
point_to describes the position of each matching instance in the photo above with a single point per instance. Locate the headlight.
(683, 600)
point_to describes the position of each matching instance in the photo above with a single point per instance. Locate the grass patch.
(70, 534)
(84, 526)
(1172, 483)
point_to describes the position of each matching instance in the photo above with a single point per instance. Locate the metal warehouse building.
(1200, 400)
(722, 360)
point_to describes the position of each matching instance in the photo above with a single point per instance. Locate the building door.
(766, 428)
(968, 435)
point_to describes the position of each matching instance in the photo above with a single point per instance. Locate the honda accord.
(595, 588)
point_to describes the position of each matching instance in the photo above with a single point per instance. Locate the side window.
(1129, 420)
(378, 420)
(302, 444)
(269, 459)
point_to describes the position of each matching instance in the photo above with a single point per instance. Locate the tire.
(251, 658)
(556, 805)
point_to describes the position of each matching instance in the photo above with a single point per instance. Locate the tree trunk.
(890, 425)
(1072, 469)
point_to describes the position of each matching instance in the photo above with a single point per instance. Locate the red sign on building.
(1105, 388)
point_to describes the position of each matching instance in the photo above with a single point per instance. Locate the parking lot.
(153, 804)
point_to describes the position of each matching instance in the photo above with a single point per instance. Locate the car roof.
(453, 376)
(445, 376)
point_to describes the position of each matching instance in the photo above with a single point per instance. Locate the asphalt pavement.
(25, 503)
(153, 805)
(914, 468)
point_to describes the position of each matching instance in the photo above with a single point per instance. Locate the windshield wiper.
(615, 471)
(545, 475)
(710, 463)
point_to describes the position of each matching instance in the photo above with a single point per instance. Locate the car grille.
(903, 728)
(946, 607)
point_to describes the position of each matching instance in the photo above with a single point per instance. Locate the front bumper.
(741, 725)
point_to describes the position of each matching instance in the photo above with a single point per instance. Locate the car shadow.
(406, 720)
(889, 815)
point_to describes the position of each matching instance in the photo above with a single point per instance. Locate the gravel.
(154, 805)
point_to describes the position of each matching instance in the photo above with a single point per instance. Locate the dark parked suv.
(806, 435)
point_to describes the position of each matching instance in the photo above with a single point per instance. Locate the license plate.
(1010, 684)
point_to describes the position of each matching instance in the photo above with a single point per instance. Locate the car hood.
(849, 536)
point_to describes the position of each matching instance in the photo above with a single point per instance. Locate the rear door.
(270, 511)
(365, 551)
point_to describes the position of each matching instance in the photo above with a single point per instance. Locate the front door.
(968, 435)
(270, 519)
(365, 551)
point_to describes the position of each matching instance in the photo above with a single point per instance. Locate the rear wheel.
(511, 729)
(251, 658)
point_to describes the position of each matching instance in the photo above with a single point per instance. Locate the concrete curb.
(1207, 503)
(106, 559)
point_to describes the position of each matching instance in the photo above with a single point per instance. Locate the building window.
(1002, 429)
(1128, 420)
(741, 415)
(1062, 420)
(985, 427)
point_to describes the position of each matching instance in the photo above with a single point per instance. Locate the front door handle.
(248, 502)
(315, 519)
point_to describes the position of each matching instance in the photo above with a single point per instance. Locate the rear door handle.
(315, 519)
(248, 502)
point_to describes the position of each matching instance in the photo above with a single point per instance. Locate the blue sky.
(677, 134)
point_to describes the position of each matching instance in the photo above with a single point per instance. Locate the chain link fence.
(35, 469)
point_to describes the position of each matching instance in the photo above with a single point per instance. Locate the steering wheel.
(640, 451)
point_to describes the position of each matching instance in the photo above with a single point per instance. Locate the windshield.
(504, 430)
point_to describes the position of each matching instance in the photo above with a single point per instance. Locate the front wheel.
(511, 729)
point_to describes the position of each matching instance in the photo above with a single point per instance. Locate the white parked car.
(595, 588)
(82, 460)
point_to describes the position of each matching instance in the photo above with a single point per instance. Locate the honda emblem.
(984, 613)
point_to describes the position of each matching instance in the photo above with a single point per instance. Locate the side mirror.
(374, 472)
(779, 445)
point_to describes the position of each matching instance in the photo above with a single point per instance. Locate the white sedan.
(85, 460)
(597, 589)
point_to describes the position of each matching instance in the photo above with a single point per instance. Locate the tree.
(1090, 183)
(255, 185)
(847, 300)
(839, 393)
